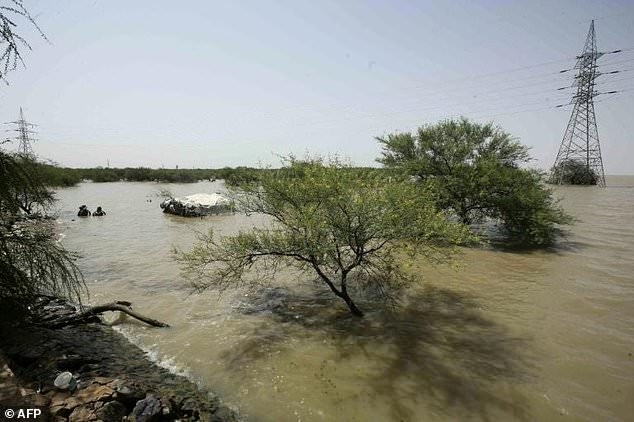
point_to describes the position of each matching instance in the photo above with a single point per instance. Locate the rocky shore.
(115, 380)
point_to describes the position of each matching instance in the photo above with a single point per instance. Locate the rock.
(71, 362)
(128, 393)
(197, 205)
(147, 410)
(223, 414)
(102, 381)
(111, 412)
(59, 412)
(93, 393)
(189, 407)
(81, 414)
(64, 407)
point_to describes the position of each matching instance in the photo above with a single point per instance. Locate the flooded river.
(534, 336)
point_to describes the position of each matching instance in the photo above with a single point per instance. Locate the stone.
(101, 380)
(71, 362)
(223, 414)
(59, 411)
(189, 407)
(94, 392)
(112, 411)
(147, 410)
(81, 414)
(128, 393)
(58, 396)
(69, 404)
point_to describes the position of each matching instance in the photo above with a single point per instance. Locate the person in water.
(99, 212)
(83, 211)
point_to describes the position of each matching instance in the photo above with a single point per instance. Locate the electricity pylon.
(580, 144)
(24, 131)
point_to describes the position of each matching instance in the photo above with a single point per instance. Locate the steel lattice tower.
(580, 143)
(24, 131)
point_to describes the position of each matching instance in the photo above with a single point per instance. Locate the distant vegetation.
(64, 176)
(56, 176)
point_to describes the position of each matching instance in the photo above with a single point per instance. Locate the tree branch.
(120, 306)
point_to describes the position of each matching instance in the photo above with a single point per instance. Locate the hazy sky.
(213, 84)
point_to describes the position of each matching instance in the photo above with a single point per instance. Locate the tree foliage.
(32, 261)
(10, 41)
(573, 172)
(475, 169)
(341, 225)
(24, 187)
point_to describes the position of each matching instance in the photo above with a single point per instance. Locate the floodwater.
(529, 336)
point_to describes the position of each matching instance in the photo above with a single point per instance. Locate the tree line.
(56, 176)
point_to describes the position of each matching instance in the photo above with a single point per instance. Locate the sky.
(206, 84)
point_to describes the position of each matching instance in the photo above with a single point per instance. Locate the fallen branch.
(89, 315)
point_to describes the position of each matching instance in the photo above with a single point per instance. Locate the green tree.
(55, 176)
(475, 168)
(32, 261)
(343, 227)
(573, 172)
(34, 196)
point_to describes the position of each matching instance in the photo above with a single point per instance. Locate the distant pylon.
(580, 144)
(24, 131)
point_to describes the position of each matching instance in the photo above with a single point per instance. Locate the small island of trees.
(573, 172)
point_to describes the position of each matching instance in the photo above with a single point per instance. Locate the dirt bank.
(115, 380)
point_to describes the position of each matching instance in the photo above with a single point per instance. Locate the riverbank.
(115, 380)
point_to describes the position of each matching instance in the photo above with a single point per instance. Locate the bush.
(573, 172)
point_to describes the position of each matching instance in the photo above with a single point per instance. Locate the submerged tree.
(344, 227)
(32, 261)
(573, 172)
(476, 171)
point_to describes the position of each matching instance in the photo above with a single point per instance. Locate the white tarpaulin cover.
(197, 205)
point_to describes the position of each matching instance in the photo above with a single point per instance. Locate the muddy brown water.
(543, 335)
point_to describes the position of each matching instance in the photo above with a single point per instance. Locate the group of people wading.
(85, 212)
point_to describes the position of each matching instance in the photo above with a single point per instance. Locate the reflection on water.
(531, 335)
(437, 351)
